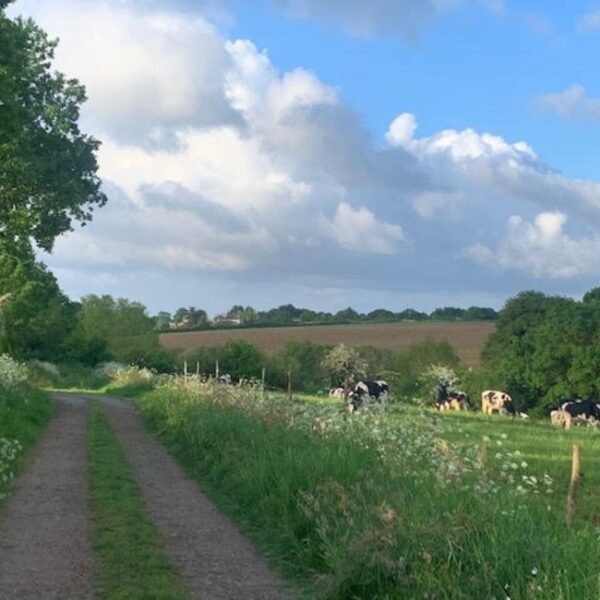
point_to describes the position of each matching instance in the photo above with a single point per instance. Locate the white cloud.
(541, 248)
(146, 72)
(590, 21)
(359, 230)
(572, 103)
(480, 163)
(230, 168)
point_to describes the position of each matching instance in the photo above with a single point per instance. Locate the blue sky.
(386, 154)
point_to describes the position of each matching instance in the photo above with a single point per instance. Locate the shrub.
(13, 374)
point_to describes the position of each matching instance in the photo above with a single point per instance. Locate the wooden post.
(575, 475)
(217, 370)
(482, 454)
(289, 374)
(185, 369)
(262, 379)
(198, 369)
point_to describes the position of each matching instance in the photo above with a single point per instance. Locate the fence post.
(289, 374)
(198, 368)
(217, 370)
(575, 475)
(262, 379)
(185, 369)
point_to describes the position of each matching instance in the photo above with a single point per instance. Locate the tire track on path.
(45, 531)
(215, 560)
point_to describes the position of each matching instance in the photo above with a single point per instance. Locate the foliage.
(409, 366)
(304, 360)
(23, 414)
(344, 365)
(13, 374)
(546, 348)
(126, 330)
(39, 318)
(241, 360)
(47, 165)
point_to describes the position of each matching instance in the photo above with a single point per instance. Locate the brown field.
(467, 338)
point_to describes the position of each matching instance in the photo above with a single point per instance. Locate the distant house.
(221, 320)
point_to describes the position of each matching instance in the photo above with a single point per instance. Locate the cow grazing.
(450, 400)
(493, 401)
(561, 418)
(338, 392)
(577, 412)
(365, 392)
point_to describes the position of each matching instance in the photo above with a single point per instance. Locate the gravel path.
(45, 550)
(215, 560)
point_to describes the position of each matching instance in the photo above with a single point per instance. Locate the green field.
(406, 503)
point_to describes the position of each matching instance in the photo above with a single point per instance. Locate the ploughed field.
(466, 338)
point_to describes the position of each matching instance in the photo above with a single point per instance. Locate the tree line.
(287, 314)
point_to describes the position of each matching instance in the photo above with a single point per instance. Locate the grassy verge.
(380, 506)
(131, 561)
(23, 414)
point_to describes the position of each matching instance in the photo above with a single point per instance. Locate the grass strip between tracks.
(131, 561)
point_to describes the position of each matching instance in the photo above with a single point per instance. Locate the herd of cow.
(571, 412)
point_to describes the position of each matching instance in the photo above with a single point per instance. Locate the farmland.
(390, 504)
(466, 338)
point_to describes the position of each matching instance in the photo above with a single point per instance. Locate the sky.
(334, 153)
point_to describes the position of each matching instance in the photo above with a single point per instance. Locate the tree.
(126, 328)
(162, 321)
(38, 317)
(47, 166)
(344, 365)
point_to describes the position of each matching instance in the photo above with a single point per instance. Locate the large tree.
(48, 166)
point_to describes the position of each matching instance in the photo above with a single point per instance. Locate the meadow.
(467, 338)
(396, 503)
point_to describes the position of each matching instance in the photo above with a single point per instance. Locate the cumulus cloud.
(147, 73)
(478, 163)
(572, 103)
(215, 163)
(358, 229)
(541, 248)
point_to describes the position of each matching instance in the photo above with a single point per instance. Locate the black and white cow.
(450, 399)
(365, 392)
(578, 411)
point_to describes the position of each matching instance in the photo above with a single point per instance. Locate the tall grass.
(377, 506)
(23, 413)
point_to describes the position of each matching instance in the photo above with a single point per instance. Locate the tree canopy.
(47, 165)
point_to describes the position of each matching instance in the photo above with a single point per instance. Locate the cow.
(500, 402)
(450, 400)
(367, 391)
(576, 412)
(338, 392)
(225, 378)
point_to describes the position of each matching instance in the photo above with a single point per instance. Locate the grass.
(368, 507)
(131, 560)
(467, 338)
(23, 415)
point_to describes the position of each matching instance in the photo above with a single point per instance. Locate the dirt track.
(45, 527)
